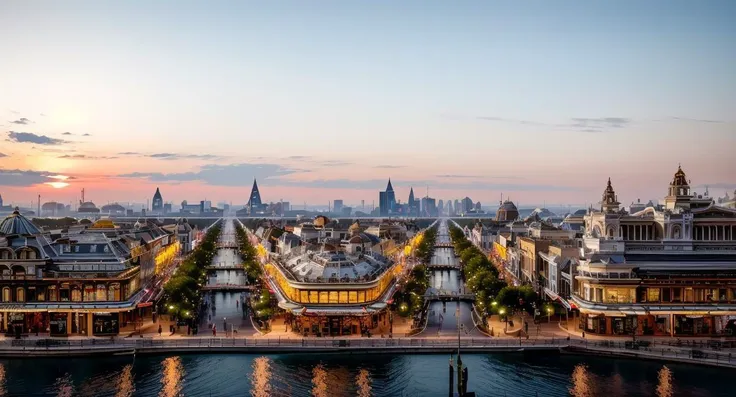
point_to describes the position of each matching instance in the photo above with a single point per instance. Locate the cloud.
(85, 157)
(67, 133)
(599, 124)
(128, 153)
(42, 114)
(24, 177)
(176, 156)
(27, 137)
(505, 120)
(334, 163)
(14, 111)
(389, 166)
(698, 120)
(299, 157)
(220, 175)
(3, 155)
(22, 120)
(87, 134)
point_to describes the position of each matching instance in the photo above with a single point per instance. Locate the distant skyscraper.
(157, 204)
(440, 207)
(387, 200)
(450, 210)
(1, 200)
(254, 202)
(413, 203)
(467, 205)
(337, 206)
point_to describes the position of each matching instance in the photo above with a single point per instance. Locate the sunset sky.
(321, 100)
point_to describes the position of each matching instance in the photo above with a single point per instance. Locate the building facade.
(659, 271)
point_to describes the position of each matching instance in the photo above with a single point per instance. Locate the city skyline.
(536, 103)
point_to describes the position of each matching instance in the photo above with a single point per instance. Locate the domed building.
(321, 221)
(52, 209)
(88, 207)
(507, 212)
(113, 209)
(17, 224)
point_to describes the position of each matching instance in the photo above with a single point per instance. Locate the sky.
(537, 101)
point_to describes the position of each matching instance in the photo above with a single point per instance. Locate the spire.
(389, 188)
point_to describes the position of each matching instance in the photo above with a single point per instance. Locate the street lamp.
(505, 319)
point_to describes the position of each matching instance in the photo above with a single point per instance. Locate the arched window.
(113, 292)
(20, 294)
(6, 294)
(89, 293)
(101, 293)
(6, 254)
(76, 294)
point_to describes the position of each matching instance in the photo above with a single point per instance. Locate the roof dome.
(114, 207)
(321, 221)
(507, 211)
(16, 223)
(103, 224)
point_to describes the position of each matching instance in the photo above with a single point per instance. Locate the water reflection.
(319, 381)
(581, 382)
(125, 382)
(2, 380)
(261, 377)
(363, 380)
(64, 386)
(665, 389)
(171, 376)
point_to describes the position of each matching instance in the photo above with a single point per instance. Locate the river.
(355, 375)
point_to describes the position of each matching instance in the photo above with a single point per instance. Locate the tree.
(517, 298)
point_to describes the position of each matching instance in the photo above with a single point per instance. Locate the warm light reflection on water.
(665, 388)
(171, 376)
(319, 381)
(125, 382)
(261, 377)
(363, 380)
(64, 386)
(581, 382)
(2, 380)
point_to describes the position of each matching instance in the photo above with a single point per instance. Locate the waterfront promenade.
(131, 346)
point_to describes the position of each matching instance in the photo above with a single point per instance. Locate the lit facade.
(659, 271)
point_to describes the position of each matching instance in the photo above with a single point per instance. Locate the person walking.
(214, 330)
(160, 330)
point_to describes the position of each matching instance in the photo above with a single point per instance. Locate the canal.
(355, 375)
(225, 308)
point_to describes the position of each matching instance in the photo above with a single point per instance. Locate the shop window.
(20, 294)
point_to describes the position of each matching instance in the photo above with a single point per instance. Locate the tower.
(157, 204)
(609, 201)
(412, 203)
(679, 192)
(254, 202)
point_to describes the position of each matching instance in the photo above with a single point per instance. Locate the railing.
(629, 348)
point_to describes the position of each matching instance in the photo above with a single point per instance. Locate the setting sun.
(57, 185)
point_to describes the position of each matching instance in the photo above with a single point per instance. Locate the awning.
(289, 306)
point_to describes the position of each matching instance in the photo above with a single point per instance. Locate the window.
(688, 295)
(89, 293)
(105, 249)
(93, 248)
(76, 295)
(676, 294)
(53, 296)
(113, 293)
(666, 295)
(652, 294)
(6, 294)
(101, 293)
(76, 249)
(20, 294)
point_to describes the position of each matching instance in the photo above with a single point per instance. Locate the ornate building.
(507, 212)
(157, 204)
(658, 272)
(95, 281)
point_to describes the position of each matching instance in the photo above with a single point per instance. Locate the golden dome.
(321, 221)
(103, 224)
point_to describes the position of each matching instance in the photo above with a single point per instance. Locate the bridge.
(447, 297)
(443, 267)
(228, 287)
(228, 244)
(233, 267)
(444, 245)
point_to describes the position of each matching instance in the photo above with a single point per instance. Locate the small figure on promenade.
(214, 330)
(159, 330)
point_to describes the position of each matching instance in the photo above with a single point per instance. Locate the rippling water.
(355, 375)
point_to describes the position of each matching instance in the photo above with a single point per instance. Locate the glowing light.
(126, 385)
(57, 185)
(319, 382)
(59, 177)
(171, 377)
(363, 380)
(665, 389)
(261, 379)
